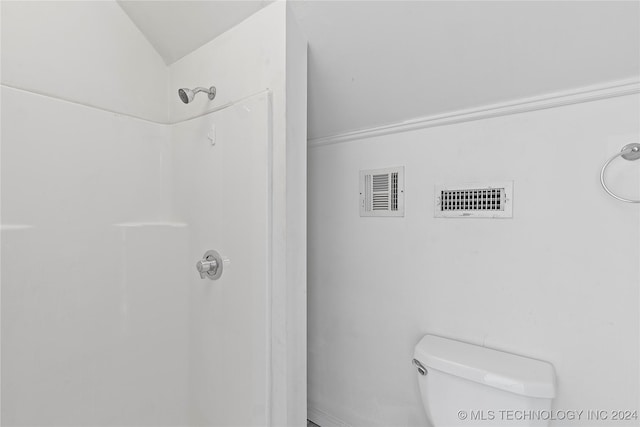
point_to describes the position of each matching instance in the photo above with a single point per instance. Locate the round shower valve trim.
(210, 266)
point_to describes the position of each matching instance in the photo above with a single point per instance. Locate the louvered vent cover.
(382, 192)
(487, 200)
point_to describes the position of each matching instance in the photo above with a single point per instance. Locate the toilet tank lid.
(506, 371)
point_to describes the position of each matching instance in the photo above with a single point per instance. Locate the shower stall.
(153, 243)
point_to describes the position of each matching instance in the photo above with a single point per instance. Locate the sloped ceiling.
(176, 28)
(378, 62)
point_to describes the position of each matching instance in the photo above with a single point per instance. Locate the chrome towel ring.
(628, 152)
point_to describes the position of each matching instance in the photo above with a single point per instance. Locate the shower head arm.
(211, 91)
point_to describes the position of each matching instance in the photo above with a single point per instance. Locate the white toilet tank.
(468, 385)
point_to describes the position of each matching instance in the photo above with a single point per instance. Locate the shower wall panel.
(93, 284)
(267, 51)
(222, 189)
(93, 301)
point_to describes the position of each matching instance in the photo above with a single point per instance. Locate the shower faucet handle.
(211, 265)
(204, 267)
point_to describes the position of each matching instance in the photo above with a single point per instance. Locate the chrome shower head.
(187, 95)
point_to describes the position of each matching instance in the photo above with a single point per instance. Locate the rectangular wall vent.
(486, 200)
(382, 192)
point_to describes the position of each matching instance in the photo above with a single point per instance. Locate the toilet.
(467, 385)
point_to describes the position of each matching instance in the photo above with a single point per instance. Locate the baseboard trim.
(542, 102)
(323, 419)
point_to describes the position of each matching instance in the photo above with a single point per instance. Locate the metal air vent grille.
(475, 200)
(382, 192)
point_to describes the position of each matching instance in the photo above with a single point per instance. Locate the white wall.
(558, 282)
(83, 51)
(267, 52)
(92, 274)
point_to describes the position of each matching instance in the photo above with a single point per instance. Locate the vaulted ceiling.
(378, 62)
(176, 28)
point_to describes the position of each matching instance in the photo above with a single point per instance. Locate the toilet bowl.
(467, 385)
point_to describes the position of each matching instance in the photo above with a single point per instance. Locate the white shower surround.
(86, 137)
